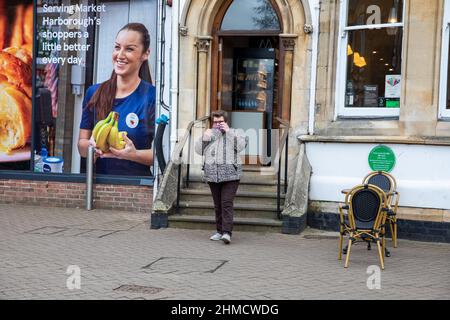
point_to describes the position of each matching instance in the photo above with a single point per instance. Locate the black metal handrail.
(177, 156)
(283, 144)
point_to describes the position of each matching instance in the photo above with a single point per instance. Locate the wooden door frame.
(216, 33)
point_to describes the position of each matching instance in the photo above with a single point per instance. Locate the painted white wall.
(422, 172)
(170, 61)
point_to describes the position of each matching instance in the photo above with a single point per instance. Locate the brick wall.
(72, 195)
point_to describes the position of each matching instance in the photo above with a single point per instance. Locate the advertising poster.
(393, 86)
(371, 96)
(94, 67)
(16, 65)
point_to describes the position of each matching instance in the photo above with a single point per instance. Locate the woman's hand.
(97, 152)
(224, 126)
(130, 153)
(127, 153)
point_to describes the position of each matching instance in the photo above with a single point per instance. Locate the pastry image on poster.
(16, 43)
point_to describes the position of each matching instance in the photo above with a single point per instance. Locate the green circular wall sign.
(381, 158)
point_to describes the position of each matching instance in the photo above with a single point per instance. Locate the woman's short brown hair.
(218, 114)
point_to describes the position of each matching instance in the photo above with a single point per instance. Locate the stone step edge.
(237, 206)
(256, 194)
(244, 181)
(236, 220)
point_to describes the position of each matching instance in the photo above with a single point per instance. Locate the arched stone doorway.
(199, 79)
(247, 61)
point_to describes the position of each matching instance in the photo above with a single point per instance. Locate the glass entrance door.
(253, 81)
(248, 91)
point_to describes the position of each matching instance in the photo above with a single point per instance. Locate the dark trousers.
(223, 194)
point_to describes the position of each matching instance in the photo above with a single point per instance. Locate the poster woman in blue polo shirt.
(128, 92)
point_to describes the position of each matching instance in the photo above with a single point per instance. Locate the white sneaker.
(216, 236)
(226, 238)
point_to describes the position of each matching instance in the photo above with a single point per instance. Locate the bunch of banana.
(106, 133)
(115, 138)
(100, 124)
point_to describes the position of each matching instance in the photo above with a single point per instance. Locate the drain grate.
(132, 288)
(185, 265)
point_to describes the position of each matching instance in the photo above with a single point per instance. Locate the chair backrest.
(381, 179)
(366, 203)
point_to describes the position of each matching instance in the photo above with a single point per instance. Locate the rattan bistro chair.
(387, 183)
(364, 219)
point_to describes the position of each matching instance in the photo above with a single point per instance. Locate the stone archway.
(208, 9)
(196, 24)
(195, 85)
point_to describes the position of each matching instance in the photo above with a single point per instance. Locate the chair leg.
(341, 239)
(347, 259)
(387, 254)
(391, 227)
(380, 254)
(395, 233)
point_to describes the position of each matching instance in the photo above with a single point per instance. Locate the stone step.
(243, 186)
(246, 210)
(254, 197)
(249, 169)
(250, 178)
(239, 224)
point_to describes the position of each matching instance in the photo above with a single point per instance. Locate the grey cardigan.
(222, 162)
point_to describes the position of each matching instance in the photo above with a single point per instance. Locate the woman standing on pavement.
(222, 169)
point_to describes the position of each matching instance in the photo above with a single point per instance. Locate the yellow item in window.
(358, 60)
(349, 50)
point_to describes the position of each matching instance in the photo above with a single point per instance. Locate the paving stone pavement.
(119, 257)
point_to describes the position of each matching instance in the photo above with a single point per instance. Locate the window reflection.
(250, 15)
(364, 12)
(373, 69)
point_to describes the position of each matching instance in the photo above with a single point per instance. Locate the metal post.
(178, 189)
(278, 186)
(89, 178)
(189, 159)
(286, 163)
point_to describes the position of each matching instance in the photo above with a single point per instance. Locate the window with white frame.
(369, 63)
(444, 96)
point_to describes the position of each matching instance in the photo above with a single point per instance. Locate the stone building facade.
(322, 46)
